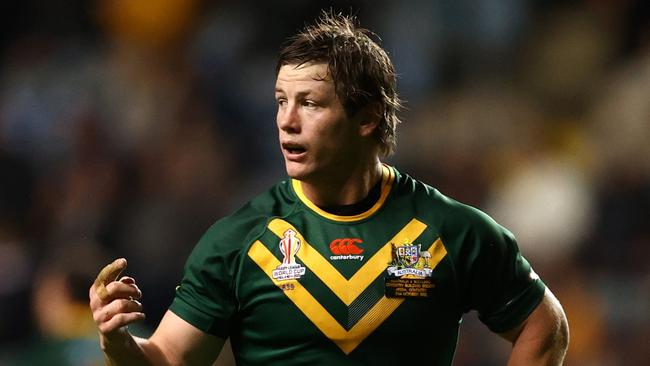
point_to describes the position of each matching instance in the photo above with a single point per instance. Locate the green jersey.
(291, 284)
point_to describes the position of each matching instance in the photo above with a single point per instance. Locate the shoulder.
(463, 218)
(234, 232)
(446, 212)
(461, 227)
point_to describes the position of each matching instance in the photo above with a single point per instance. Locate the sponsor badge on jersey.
(346, 249)
(409, 273)
(289, 269)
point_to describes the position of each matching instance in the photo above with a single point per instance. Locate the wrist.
(118, 339)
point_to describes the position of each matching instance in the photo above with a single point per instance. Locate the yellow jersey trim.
(387, 179)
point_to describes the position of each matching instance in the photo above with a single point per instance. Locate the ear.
(369, 117)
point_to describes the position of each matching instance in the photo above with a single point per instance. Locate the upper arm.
(181, 343)
(495, 279)
(544, 335)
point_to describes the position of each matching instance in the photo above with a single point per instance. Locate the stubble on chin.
(295, 172)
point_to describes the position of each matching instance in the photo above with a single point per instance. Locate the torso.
(311, 287)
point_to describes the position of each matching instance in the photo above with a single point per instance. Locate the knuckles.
(118, 309)
(114, 289)
(127, 306)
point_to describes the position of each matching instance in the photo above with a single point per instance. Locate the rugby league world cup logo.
(289, 246)
(289, 269)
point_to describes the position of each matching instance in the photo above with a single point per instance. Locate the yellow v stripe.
(346, 340)
(438, 252)
(348, 290)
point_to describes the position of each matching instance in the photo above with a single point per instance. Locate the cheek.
(328, 136)
(334, 144)
(278, 116)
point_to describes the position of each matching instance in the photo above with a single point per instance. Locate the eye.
(281, 102)
(309, 104)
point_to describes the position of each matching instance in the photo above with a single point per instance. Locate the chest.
(344, 284)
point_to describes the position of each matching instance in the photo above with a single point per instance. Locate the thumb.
(107, 275)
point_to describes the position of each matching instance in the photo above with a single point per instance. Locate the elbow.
(545, 337)
(557, 334)
(562, 334)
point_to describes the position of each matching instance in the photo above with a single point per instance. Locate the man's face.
(318, 140)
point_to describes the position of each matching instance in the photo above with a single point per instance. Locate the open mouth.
(293, 149)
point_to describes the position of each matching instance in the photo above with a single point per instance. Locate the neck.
(349, 189)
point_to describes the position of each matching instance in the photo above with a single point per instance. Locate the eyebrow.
(299, 94)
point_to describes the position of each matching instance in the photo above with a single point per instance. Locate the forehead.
(306, 74)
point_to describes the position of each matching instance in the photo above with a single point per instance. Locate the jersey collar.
(387, 179)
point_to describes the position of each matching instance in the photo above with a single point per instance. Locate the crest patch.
(409, 272)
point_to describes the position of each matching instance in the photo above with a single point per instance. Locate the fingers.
(127, 280)
(119, 321)
(112, 301)
(107, 275)
(120, 290)
(110, 272)
(116, 307)
(117, 314)
(123, 289)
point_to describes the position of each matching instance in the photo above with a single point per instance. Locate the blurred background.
(128, 127)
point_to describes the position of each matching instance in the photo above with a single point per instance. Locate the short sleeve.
(205, 297)
(498, 281)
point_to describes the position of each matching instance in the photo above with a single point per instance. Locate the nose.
(288, 119)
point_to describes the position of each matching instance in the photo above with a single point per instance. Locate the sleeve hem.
(198, 319)
(516, 310)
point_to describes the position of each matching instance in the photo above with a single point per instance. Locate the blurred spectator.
(484, 119)
(16, 258)
(549, 205)
(66, 333)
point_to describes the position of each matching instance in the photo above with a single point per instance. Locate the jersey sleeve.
(205, 297)
(498, 281)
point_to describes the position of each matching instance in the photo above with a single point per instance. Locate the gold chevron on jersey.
(346, 290)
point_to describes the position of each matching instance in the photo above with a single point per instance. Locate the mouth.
(292, 150)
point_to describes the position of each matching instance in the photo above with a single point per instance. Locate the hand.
(114, 303)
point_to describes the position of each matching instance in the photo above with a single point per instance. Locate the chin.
(296, 171)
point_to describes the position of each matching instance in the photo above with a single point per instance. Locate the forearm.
(126, 349)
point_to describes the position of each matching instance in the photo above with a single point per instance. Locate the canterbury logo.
(346, 248)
